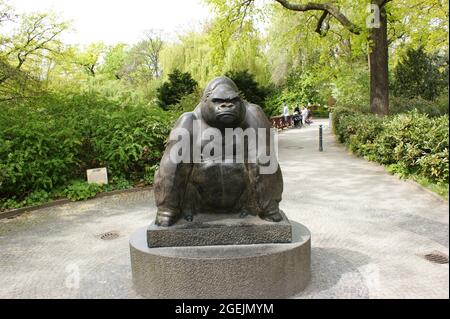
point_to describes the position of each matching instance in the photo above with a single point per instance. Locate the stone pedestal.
(222, 271)
(220, 229)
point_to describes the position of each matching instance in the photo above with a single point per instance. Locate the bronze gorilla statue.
(205, 186)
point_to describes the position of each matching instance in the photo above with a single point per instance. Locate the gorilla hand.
(273, 216)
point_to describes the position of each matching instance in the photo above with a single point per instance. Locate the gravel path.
(369, 229)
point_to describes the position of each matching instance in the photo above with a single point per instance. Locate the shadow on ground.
(331, 267)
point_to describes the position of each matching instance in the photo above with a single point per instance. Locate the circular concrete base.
(232, 271)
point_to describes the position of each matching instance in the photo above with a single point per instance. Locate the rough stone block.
(220, 229)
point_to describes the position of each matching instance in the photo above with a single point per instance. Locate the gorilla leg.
(269, 189)
(191, 202)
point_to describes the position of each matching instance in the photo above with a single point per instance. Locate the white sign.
(97, 176)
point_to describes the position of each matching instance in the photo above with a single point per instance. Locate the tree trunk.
(378, 65)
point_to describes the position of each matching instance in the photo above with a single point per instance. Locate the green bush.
(150, 173)
(36, 198)
(410, 143)
(10, 203)
(129, 141)
(321, 112)
(38, 147)
(273, 104)
(188, 102)
(420, 75)
(180, 84)
(118, 183)
(433, 108)
(81, 190)
(50, 140)
(340, 115)
(251, 90)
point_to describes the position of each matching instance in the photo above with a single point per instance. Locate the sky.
(113, 21)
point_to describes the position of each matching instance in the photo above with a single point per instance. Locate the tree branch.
(320, 24)
(326, 7)
(242, 11)
(384, 2)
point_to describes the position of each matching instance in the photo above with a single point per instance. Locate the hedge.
(47, 143)
(411, 143)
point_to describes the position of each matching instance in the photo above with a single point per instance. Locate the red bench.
(280, 123)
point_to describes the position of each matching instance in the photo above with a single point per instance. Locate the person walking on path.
(285, 114)
(297, 117)
(305, 113)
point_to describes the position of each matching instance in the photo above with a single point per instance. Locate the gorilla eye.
(219, 100)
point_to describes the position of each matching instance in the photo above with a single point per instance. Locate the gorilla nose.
(227, 106)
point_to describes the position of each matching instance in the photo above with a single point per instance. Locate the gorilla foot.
(189, 217)
(243, 214)
(165, 219)
(273, 217)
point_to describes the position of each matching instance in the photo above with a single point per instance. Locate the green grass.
(442, 189)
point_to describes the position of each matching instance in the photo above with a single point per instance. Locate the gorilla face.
(224, 107)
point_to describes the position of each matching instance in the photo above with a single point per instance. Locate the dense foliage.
(179, 84)
(420, 75)
(250, 88)
(63, 135)
(409, 143)
(432, 108)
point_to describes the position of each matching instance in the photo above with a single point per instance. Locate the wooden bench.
(279, 123)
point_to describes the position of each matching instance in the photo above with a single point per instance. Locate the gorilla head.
(222, 106)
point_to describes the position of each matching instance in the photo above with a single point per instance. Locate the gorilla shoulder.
(256, 117)
(185, 120)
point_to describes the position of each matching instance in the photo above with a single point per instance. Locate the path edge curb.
(19, 211)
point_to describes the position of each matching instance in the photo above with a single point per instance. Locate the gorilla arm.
(267, 187)
(171, 178)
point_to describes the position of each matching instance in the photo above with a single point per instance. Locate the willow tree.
(219, 47)
(191, 53)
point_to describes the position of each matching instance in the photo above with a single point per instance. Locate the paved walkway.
(369, 229)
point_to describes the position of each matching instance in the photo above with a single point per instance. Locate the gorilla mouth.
(227, 118)
(226, 115)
